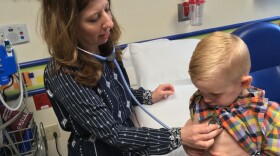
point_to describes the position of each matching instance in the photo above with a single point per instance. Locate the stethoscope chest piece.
(214, 120)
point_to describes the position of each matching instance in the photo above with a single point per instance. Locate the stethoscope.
(111, 58)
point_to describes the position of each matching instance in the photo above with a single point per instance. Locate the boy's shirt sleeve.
(193, 100)
(272, 125)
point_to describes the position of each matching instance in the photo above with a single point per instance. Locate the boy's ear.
(246, 81)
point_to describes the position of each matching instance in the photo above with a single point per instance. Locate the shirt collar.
(202, 111)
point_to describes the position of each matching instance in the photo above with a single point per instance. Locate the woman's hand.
(192, 151)
(162, 91)
(199, 136)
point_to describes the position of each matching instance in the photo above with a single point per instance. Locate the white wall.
(140, 20)
(147, 19)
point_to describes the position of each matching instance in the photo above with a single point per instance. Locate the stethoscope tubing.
(126, 85)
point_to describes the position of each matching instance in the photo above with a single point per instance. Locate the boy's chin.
(220, 105)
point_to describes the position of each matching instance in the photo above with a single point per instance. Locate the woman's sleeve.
(88, 109)
(142, 95)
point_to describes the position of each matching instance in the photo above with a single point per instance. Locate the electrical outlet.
(49, 130)
(2, 36)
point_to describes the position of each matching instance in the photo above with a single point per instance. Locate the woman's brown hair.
(58, 28)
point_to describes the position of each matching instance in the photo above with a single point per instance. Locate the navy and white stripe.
(104, 112)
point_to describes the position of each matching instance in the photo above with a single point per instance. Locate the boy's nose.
(207, 100)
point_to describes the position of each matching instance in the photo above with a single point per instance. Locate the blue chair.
(263, 41)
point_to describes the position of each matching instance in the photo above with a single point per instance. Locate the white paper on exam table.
(173, 111)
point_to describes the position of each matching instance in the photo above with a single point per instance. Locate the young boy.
(219, 69)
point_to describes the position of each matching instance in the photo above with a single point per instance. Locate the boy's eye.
(216, 95)
(210, 94)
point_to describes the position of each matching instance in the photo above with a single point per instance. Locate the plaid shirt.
(252, 120)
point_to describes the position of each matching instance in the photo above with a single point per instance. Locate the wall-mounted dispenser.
(192, 10)
(183, 11)
(196, 12)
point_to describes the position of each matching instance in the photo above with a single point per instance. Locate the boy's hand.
(162, 91)
(199, 136)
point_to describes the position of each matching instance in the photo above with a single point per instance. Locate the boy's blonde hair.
(221, 54)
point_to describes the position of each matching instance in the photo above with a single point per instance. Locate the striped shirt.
(103, 113)
(252, 120)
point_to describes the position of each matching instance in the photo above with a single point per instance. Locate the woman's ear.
(246, 81)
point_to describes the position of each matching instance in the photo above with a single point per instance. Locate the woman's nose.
(108, 22)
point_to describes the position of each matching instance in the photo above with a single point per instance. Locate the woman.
(88, 95)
